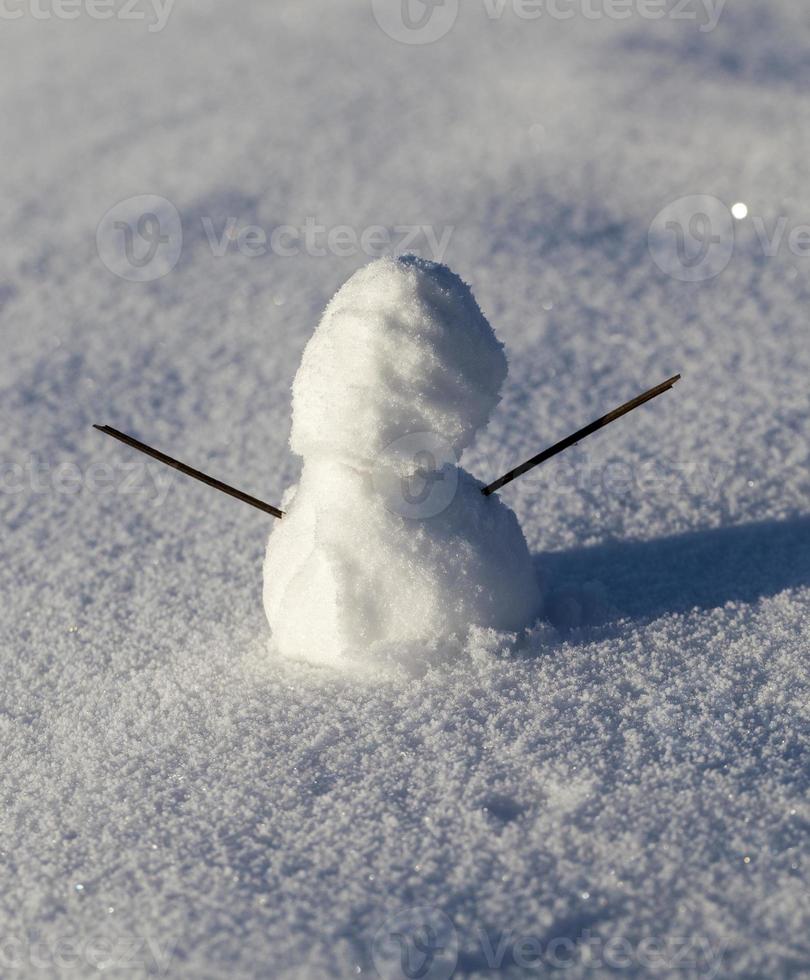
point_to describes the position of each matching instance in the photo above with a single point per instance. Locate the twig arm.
(190, 471)
(575, 437)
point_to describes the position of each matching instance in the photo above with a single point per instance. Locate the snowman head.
(403, 347)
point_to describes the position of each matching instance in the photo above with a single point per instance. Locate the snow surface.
(637, 770)
(388, 550)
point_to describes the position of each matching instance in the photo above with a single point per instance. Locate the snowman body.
(388, 546)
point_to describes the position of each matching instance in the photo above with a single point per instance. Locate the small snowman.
(387, 546)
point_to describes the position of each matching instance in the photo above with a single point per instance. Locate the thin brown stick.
(196, 474)
(558, 447)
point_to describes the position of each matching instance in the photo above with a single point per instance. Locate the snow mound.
(387, 545)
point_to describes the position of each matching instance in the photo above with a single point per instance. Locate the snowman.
(388, 547)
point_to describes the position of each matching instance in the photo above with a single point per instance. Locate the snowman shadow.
(643, 580)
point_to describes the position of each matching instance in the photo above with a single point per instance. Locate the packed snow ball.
(401, 348)
(388, 550)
